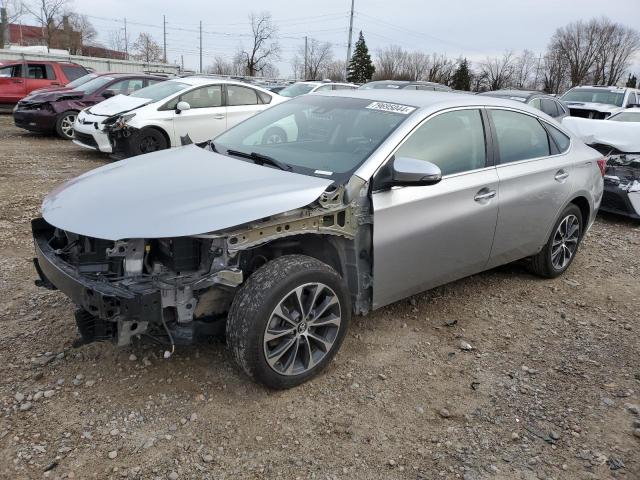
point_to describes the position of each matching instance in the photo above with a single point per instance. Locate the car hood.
(118, 104)
(53, 95)
(174, 193)
(624, 136)
(598, 107)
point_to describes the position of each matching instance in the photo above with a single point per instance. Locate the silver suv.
(370, 197)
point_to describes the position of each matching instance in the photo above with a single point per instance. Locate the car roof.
(203, 80)
(431, 100)
(611, 88)
(121, 74)
(514, 93)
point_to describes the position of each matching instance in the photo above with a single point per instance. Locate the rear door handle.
(561, 176)
(484, 194)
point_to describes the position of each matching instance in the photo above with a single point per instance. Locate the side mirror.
(182, 106)
(108, 94)
(411, 172)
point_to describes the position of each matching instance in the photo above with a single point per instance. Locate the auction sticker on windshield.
(391, 107)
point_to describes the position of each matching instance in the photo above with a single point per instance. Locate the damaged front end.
(177, 289)
(622, 185)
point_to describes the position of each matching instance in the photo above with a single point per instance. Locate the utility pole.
(164, 38)
(200, 46)
(346, 71)
(182, 62)
(126, 41)
(306, 55)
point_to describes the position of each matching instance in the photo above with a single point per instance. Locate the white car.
(600, 102)
(169, 114)
(302, 88)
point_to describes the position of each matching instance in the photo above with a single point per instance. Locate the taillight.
(602, 165)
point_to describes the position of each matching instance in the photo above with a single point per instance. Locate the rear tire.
(288, 320)
(274, 135)
(561, 248)
(64, 124)
(147, 140)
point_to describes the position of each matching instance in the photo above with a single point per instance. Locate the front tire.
(288, 320)
(562, 246)
(64, 124)
(274, 135)
(147, 140)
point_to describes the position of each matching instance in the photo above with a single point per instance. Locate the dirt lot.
(549, 391)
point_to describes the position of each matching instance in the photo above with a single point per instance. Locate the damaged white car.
(374, 196)
(599, 102)
(169, 114)
(618, 138)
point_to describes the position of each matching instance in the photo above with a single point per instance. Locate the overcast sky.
(470, 28)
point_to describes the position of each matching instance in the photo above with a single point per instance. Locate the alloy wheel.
(565, 242)
(66, 125)
(302, 329)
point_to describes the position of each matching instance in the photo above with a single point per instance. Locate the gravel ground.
(548, 390)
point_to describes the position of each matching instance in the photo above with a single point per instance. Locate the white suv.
(169, 114)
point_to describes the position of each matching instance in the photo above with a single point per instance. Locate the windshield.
(626, 117)
(83, 79)
(296, 89)
(594, 95)
(94, 84)
(328, 137)
(160, 90)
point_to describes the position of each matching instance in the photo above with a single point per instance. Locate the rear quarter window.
(561, 140)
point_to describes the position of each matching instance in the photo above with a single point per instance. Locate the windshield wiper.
(260, 159)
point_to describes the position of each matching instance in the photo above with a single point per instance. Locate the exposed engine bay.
(622, 185)
(176, 289)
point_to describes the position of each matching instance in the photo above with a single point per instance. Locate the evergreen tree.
(632, 81)
(461, 79)
(361, 67)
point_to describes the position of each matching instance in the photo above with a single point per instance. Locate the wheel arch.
(585, 210)
(164, 133)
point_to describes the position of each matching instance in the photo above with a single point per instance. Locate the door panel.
(12, 83)
(532, 190)
(205, 119)
(39, 76)
(427, 236)
(242, 103)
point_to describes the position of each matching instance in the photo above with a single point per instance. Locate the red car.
(55, 110)
(18, 78)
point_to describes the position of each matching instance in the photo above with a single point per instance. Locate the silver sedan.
(328, 205)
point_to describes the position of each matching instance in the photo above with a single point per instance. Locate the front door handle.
(561, 176)
(219, 116)
(484, 194)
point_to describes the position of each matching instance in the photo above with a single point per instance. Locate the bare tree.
(319, 55)
(221, 66)
(390, 64)
(441, 69)
(416, 65)
(335, 71)
(617, 46)
(81, 24)
(524, 68)
(49, 14)
(580, 42)
(498, 71)
(147, 49)
(118, 42)
(555, 67)
(265, 45)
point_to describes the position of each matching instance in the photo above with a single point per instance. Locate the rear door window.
(37, 71)
(454, 141)
(520, 136)
(241, 96)
(204, 97)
